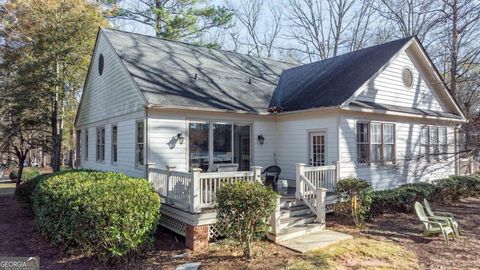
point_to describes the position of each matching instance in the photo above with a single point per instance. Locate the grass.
(358, 253)
(7, 188)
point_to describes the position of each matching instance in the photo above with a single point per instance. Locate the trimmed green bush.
(358, 199)
(102, 213)
(402, 198)
(23, 193)
(457, 187)
(244, 210)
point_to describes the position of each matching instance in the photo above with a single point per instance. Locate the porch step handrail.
(323, 176)
(314, 193)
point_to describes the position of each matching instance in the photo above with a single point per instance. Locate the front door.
(317, 149)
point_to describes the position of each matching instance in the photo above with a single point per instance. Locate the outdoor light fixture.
(180, 138)
(261, 139)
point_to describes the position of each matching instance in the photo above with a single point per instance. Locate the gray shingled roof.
(332, 81)
(165, 73)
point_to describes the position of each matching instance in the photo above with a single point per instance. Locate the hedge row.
(446, 190)
(97, 213)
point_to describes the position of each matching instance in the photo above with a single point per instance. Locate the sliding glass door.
(218, 143)
(198, 140)
(222, 143)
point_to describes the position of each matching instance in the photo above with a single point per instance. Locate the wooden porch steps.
(296, 219)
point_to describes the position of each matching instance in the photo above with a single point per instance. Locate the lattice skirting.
(173, 224)
(213, 232)
(330, 208)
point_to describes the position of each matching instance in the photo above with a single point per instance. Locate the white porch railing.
(195, 190)
(312, 184)
(468, 166)
(323, 176)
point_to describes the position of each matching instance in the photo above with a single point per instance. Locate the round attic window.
(100, 64)
(407, 77)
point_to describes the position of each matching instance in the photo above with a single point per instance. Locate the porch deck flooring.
(314, 241)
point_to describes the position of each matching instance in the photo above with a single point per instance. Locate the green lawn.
(7, 188)
(358, 253)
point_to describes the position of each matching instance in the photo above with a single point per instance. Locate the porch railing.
(196, 190)
(468, 166)
(323, 176)
(313, 184)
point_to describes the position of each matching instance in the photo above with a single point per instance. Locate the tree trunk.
(454, 50)
(21, 161)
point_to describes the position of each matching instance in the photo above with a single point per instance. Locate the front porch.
(188, 201)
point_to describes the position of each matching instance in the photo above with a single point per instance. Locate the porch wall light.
(180, 138)
(261, 139)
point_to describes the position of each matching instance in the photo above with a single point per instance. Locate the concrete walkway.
(314, 241)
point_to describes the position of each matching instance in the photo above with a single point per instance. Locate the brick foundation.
(196, 237)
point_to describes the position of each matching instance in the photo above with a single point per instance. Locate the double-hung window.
(434, 143)
(114, 144)
(86, 144)
(375, 143)
(100, 144)
(443, 143)
(140, 143)
(389, 142)
(424, 145)
(363, 142)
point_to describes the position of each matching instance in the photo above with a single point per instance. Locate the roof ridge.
(357, 51)
(200, 47)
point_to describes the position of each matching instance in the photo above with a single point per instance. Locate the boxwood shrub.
(244, 211)
(356, 199)
(402, 198)
(23, 193)
(101, 213)
(446, 190)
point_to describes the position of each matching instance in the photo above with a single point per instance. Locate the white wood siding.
(111, 94)
(125, 145)
(387, 87)
(293, 140)
(408, 168)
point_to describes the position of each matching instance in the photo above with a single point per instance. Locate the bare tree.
(260, 34)
(326, 28)
(461, 38)
(410, 17)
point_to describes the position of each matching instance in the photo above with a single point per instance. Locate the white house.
(382, 113)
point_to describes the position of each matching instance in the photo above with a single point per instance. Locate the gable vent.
(407, 77)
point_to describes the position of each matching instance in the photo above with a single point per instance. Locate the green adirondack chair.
(442, 215)
(433, 225)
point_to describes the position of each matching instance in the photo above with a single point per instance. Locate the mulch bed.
(20, 237)
(405, 229)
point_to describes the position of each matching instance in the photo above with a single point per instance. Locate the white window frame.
(114, 145)
(443, 147)
(137, 144)
(86, 144)
(367, 162)
(381, 144)
(100, 144)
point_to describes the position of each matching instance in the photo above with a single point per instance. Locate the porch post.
(195, 192)
(338, 169)
(257, 173)
(169, 172)
(275, 219)
(321, 195)
(298, 182)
